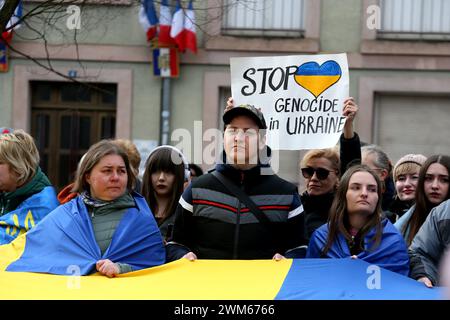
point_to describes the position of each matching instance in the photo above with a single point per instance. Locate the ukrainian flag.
(217, 280)
(64, 242)
(62, 252)
(27, 215)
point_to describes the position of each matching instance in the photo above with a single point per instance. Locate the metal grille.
(276, 18)
(415, 19)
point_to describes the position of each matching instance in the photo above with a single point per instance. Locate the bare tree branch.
(43, 19)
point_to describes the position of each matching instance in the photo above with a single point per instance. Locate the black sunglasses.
(321, 173)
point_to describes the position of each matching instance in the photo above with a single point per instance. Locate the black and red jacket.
(214, 224)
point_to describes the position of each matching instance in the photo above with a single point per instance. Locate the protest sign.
(301, 97)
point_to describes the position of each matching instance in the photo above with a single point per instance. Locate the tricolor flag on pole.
(7, 35)
(148, 18)
(165, 22)
(177, 32)
(189, 29)
(3, 57)
(183, 28)
(11, 25)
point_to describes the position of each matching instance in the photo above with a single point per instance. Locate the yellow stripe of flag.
(182, 279)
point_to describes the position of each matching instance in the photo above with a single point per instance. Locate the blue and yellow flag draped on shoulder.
(66, 240)
(391, 254)
(27, 215)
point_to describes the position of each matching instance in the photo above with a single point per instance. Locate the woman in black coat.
(322, 169)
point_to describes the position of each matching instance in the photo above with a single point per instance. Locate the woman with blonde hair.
(26, 194)
(406, 175)
(322, 168)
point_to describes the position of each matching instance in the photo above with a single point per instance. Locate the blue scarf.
(391, 254)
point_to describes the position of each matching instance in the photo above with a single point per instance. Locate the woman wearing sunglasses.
(356, 227)
(321, 169)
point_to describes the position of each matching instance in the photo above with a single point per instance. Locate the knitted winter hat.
(418, 159)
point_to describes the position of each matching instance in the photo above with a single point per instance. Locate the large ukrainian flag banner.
(217, 280)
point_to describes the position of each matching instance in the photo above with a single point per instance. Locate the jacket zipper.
(3, 209)
(238, 221)
(236, 233)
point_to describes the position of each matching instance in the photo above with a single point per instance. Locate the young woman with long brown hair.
(356, 227)
(432, 190)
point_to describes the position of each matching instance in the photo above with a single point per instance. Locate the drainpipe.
(164, 128)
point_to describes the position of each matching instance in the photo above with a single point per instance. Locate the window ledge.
(259, 33)
(413, 36)
(396, 47)
(306, 45)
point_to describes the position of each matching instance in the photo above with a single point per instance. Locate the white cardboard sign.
(301, 97)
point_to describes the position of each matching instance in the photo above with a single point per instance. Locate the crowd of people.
(356, 205)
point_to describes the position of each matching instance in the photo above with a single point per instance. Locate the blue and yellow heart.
(317, 78)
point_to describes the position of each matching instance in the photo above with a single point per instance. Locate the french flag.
(177, 32)
(183, 28)
(148, 18)
(165, 22)
(6, 36)
(11, 25)
(189, 29)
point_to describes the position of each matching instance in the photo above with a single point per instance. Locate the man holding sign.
(306, 100)
(242, 210)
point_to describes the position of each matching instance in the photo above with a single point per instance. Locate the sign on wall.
(144, 147)
(3, 57)
(301, 97)
(166, 62)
